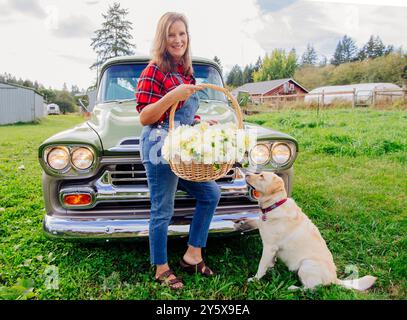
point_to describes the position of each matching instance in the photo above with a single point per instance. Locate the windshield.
(120, 81)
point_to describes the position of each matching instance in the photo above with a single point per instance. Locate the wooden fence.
(372, 98)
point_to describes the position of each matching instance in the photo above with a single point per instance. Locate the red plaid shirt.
(154, 84)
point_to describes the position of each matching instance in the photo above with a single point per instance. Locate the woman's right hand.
(184, 91)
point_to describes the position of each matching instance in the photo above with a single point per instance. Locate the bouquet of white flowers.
(204, 152)
(208, 144)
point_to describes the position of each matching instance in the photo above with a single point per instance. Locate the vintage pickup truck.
(94, 183)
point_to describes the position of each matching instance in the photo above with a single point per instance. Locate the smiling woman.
(169, 79)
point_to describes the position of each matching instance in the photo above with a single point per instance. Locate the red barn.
(280, 87)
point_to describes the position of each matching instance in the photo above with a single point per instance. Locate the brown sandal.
(163, 279)
(199, 268)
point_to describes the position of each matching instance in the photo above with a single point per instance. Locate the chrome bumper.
(107, 228)
(131, 220)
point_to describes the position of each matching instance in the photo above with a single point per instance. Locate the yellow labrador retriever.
(288, 234)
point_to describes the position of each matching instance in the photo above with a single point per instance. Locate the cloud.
(323, 24)
(5, 13)
(76, 59)
(397, 3)
(75, 26)
(274, 5)
(28, 7)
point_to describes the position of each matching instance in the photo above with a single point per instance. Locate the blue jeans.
(162, 183)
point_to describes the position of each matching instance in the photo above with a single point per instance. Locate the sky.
(49, 40)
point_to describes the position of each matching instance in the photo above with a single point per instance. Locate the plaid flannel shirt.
(154, 84)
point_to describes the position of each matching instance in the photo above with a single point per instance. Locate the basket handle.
(235, 104)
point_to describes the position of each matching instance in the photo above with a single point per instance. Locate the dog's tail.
(360, 284)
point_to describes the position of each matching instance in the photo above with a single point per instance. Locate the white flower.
(207, 144)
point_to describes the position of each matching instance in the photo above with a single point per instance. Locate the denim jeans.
(162, 184)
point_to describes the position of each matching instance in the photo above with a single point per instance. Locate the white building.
(361, 92)
(19, 104)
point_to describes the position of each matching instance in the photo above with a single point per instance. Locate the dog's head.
(265, 183)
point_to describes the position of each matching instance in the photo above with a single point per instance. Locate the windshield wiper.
(119, 101)
(127, 100)
(210, 100)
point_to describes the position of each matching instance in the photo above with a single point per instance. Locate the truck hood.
(118, 125)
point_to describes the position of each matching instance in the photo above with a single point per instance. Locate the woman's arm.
(152, 112)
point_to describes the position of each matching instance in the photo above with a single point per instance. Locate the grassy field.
(350, 179)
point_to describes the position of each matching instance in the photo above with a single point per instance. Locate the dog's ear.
(276, 185)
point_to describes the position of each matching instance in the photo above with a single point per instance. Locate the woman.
(167, 79)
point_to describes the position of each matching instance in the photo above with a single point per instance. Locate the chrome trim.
(115, 160)
(111, 228)
(108, 178)
(121, 147)
(105, 191)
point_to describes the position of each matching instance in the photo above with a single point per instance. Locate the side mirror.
(86, 112)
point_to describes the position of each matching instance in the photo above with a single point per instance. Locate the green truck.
(94, 183)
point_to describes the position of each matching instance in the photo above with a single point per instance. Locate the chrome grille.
(135, 174)
(126, 174)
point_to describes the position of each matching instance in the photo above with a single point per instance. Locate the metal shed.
(19, 104)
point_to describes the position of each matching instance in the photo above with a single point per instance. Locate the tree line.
(279, 64)
(66, 99)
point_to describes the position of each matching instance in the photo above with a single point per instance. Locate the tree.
(65, 101)
(323, 62)
(337, 58)
(291, 64)
(217, 60)
(258, 64)
(247, 75)
(389, 49)
(378, 48)
(235, 77)
(374, 48)
(345, 51)
(309, 56)
(75, 90)
(349, 49)
(48, 94)
(277, 66)
(113, 39)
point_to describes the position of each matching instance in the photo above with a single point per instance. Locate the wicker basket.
(200, 171)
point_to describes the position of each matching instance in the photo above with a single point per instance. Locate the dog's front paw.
(245, 224)
(252, 279)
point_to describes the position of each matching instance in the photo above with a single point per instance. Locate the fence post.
(374, 97)
(354, 98)
(323, 98)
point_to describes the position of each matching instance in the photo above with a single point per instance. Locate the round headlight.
(281, 153)
(260, 154)
(82, 158)
(58, 158)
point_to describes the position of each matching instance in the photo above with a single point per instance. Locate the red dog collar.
(273, 206)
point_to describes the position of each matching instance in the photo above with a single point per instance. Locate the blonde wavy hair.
(159, 53)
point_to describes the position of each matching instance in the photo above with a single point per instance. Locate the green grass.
(350, 179)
